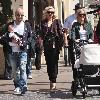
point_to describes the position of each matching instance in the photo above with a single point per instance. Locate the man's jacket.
(26, 37)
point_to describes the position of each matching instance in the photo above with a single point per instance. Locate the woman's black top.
(52, 36)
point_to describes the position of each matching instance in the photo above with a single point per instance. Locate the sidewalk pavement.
(38, 86)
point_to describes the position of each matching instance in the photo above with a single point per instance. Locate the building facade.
(20, 3)
(33, 8)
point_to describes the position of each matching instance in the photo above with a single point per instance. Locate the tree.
(6, 9)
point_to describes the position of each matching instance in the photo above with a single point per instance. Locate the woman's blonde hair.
(82, 11)
(51, 8)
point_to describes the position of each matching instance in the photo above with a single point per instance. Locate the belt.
(16, 52)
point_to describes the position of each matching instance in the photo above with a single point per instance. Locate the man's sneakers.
(29, 76)
(18, 91)
(8, 78)
(24, 90)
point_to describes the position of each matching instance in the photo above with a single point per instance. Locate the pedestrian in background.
(51, 32)
(38, 48)
(8, 67)
(29, 63)
(67, 27)
(29, 54)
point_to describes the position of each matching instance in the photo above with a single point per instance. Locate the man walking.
(19, 32)
(67, 28)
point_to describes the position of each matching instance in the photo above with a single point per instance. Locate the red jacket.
(96, 40)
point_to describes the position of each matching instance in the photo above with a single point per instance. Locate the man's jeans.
(18, 62)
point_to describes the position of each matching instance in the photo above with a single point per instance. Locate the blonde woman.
(51, 32)
(81, 30)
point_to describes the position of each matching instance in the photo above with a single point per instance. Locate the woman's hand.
(77, 40)
(90, 41)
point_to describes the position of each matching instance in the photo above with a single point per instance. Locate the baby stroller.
(87, 66)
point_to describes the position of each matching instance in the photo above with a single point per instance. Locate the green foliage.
(6, 9)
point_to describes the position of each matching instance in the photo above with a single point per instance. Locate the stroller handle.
(84, 41)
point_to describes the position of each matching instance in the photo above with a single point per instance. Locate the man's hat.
(78, 6)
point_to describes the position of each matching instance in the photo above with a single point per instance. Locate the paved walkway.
(38, 87)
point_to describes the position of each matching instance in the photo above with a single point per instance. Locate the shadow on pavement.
(61, 94)
(57, 94)
(46, 83)
(64, 94)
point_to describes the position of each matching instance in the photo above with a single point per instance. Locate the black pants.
(51, 57)
(29, 64)
(38, 52)
(67, 58)
(8, 67)
(71, 53)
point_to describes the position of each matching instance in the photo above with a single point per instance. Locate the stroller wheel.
(74, 88)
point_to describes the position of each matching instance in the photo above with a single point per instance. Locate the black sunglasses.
(81, 15)
(19, 15)
(50, 12)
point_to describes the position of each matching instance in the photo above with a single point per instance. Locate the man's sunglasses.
(19, 15)
(50, 12)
